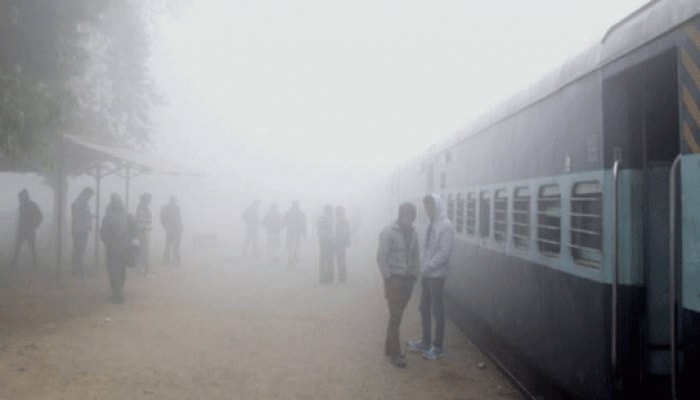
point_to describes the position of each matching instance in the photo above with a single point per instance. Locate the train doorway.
(642, 109)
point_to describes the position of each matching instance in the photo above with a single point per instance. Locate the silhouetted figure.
(144, 223)
(81, 223)
(117, 232)
(295, 221)
(273, 223)
(398, 258)
(30, 218)
(326, 245)
(171, 220)
(342, 241)
(252, 220)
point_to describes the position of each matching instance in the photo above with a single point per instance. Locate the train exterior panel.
(577, 215)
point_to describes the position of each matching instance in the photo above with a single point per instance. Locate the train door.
(644, 113)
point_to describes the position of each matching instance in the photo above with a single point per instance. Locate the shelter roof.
(87, 151)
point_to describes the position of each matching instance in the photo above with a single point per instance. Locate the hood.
(116, 205)
(440, 209)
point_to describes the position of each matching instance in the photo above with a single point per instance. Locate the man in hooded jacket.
(434, 267)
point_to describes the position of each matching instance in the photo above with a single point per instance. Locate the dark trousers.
(325, 269)
(293, 244)
(397, 291)
(431, 303)
(172, 248)
(340, 260)
(251, 240)
(22, 237)
(79, 244)
(116, 269)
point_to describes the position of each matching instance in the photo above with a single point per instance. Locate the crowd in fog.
(402, 260)
(333, 234)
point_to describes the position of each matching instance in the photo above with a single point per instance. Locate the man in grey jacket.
(434, 267)
(398, 257)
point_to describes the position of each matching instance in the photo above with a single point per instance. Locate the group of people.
(333, 233)
(274, 222)
(126, 237)
(401, 262)
(400, 257)
(334, 239)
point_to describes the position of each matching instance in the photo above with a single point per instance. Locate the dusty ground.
(226, 330)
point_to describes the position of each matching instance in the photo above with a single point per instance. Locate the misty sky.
(307, 93)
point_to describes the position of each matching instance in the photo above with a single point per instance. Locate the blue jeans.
(431, 305)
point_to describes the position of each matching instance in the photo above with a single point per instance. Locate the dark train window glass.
(549, 220)
(471, 214)
(521, 217)
(587, 224)
(484, 214)
(500, 214)
(459, 217)
(451, 208)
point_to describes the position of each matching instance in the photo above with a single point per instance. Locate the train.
(576, 209)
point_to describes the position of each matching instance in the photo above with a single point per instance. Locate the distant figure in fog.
(273, 223)
(29, 219)
(171, 220)
(295, 222)
(398, 258)
(342, 241)
(326, 244)
(144, 221)
(81, 223)
(434, 267)
(252, 220)
(117, 231)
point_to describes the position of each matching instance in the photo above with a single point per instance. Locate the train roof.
(642, 26)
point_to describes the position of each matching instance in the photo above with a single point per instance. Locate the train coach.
(576, 207)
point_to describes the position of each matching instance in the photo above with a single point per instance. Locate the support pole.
(60, 194)
(126, 189)
(98, 187)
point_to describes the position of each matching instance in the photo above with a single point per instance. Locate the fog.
(318, 101)
(309, 101)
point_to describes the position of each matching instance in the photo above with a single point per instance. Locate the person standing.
(81, 223)
(273, 228)
(434, 266)
(251, 220)
(117, 231)
(398, 258)
(28, 221)
(325, 237)
(171, 220)
(295, 221)
(144, 223)
(342, 241)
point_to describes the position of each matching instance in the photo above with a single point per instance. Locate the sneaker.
(433, 354)
(417, 346)
(398, 361)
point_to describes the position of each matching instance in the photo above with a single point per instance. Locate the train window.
(500, 214)
(459, 217)
(586, 223)
(471, 214)
(521, 217)
(443, 180)
(549, 220)
(484, 214)
(451, 208)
